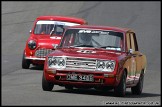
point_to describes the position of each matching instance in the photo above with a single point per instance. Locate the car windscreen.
(51, 27)
(110, 40)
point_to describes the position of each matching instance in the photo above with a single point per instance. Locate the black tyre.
(46, 86)
(25, 63)
(120, 90)
(137, 90)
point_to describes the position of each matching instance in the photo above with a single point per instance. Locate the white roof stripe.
(58, 23)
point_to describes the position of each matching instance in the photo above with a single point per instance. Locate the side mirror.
(55, 46)
(30, 31)
(131, 51)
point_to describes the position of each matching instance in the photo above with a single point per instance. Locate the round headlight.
(32, 44)
(61, 62)
(110, 65)
(101, 65)
(52, 61)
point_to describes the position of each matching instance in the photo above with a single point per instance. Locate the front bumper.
(100, 79)
(35, 58)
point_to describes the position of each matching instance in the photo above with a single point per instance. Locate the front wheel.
(137, 90)
(46, 86)
(25, 63)
(120, 90)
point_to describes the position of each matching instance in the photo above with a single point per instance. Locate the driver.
(85, 38)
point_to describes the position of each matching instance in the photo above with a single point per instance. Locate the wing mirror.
(131, 51)
(55, 46)
(30, 31)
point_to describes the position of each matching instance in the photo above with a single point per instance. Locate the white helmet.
(85, 38)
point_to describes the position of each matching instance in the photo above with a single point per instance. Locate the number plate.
(77, 77)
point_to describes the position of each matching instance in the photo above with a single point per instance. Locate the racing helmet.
(85, 38)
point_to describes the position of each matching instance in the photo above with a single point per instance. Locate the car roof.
(98, 27)
(63, 18)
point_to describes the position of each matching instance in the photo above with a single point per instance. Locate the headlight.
(110, 65)
(52, 61)
(100, 65)
(61, 62)
(32, 44)
(107, 66)
(56, 62)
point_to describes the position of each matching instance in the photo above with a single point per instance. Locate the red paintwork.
(44, 41)
(122, 58)
(100, 54)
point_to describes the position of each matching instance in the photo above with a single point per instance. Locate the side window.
(128, 41)
(135, 42)
(59, 29)
(132, 41)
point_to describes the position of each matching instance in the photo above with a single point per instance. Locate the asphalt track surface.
(23, 87)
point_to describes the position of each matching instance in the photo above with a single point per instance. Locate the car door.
(131, 60)
(138, 57)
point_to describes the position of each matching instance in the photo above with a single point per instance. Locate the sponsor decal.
(94, 31)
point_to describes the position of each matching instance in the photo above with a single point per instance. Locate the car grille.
(81, 63)
(43, 52)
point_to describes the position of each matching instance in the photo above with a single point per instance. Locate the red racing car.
(97, 57)
(45, 36)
